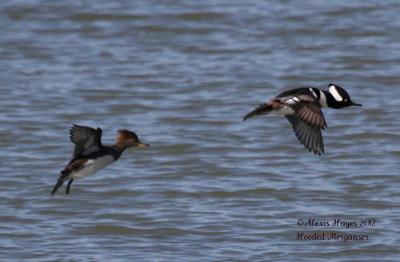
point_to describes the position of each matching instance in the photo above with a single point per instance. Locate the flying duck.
(302, 108)
(90, 155)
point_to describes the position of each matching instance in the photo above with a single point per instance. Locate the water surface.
(182, 74)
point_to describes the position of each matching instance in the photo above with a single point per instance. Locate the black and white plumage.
(90, 155)
(302, 108)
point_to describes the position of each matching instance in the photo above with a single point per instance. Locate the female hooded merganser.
(302, 107)
(90, 155)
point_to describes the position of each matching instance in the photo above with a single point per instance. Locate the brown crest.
(124, 136)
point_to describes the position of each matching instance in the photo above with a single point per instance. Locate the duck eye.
(345, 100)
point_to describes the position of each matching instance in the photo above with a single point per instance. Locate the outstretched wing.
(86, 139)
(309, 136)
(306, 108)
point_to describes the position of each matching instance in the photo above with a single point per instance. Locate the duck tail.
(262, 109)
(59, 183)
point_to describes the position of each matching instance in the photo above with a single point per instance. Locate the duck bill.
(260, 110)
(355, 104)
(140, 144)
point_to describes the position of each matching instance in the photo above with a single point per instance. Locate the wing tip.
(318, 152)
(312, 142)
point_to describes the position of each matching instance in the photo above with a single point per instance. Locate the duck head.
(339, 98)
(126, 139)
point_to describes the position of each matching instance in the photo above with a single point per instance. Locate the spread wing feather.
(86, 139)
(309, 136)
(307, 108)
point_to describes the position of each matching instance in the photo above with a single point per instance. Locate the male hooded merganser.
(302, 107)
(90, 155)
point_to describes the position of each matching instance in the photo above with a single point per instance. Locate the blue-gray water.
(182, 74)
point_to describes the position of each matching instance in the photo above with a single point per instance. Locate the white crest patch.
(335, 93)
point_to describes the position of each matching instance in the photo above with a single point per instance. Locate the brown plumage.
(310, 113)
(90, 155)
